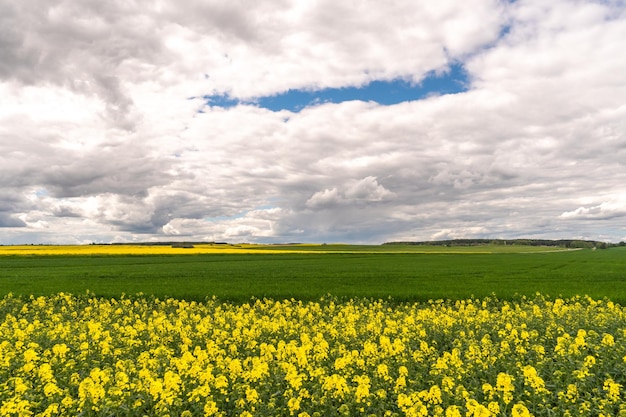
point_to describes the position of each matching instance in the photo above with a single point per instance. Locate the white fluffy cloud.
(104, 134)
(355, 192)
(607, 210)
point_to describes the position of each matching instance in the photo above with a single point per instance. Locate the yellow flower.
(494, 407)
(45, 372)
(90, 392)
(519, 410)
(570, 395)
(488, 390)
(383, 371)
(434, 395)
(252, 395)
(51, 389)
(453, 411)
(15, 406)
(210, 408)
(579, 341)
(235, 368)
(336, 385)
(400, 384)
(20, 386)
(156, 388)
(612, 389)
(293, 404)
(504, 384)
(532, 379)
(51, 410)
(447, 384)
(30, 355)
(60, 350)
(608, 340)
(171, 381)
(481, 411)
(363, 388)
(67, 402)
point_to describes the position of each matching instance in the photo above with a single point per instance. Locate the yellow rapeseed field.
(251, 248)
(81, 355)
(134, 249)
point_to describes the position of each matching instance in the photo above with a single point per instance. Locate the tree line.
(562, 243)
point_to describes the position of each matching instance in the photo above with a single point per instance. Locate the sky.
(353, 121)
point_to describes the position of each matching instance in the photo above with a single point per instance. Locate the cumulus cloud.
(616, 208)
(243, 227)
(355, 192)
(105, 134)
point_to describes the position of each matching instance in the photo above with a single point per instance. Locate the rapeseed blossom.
(88, 250)
(84, 355)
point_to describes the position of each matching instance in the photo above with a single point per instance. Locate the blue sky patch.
(455, 80)
(223, 218)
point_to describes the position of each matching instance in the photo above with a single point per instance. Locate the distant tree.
(581, 244)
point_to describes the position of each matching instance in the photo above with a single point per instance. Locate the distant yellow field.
(133, 249)
(247, 248)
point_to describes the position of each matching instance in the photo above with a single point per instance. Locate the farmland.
(313, 331)
(308, 272)
(66, 355)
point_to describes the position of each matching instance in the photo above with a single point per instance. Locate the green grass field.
(416, 274)
(105, 354)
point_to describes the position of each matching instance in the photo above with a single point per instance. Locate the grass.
(343, 271)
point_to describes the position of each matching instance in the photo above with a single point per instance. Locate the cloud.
(247, 227)
(616, 208)
(355, 192)
(6, 220)
(449, 234)
(245, 49)
(104, 134)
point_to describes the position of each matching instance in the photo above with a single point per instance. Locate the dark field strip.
(401, 276)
